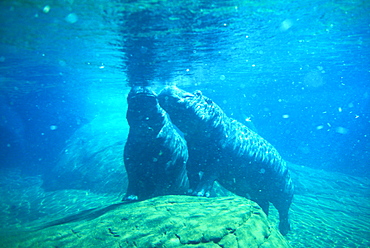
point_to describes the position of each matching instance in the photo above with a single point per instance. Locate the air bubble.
(46, 9)
(71, 18)
(53, 127)
(285, 25)
(341, 130)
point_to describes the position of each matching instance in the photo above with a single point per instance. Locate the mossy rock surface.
(167, 221)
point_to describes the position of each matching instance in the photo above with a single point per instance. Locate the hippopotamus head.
(191, 113)
(139, 93)
(143, 110)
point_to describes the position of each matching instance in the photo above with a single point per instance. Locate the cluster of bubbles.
(70, 18)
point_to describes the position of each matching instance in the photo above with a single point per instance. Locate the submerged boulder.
(166, 221)
(92, 159)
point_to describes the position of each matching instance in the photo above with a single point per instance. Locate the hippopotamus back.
(227, 151)
(155, 154)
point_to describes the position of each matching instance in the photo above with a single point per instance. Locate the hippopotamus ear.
(199, 94)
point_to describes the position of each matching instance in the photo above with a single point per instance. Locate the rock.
(93, 158)
(24, 203)
(329, 210)
(166, 221)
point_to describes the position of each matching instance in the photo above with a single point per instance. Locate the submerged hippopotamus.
(155, 154)
(222, 149)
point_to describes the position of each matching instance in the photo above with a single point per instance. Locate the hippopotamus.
(155, 154)
(221, 148)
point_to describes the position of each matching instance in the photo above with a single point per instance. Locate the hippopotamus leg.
(201, 178)
(205, 184)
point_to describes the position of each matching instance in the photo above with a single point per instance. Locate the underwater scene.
(194, 123)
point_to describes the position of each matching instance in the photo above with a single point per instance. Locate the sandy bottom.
(329, 209)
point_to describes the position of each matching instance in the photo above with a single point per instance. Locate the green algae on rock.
(166, 221)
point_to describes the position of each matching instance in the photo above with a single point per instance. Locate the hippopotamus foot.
(199, 191)
(202, 192)
(205, 185)
(130, 198)
(284, 226)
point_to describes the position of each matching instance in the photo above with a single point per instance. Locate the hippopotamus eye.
(198, 93)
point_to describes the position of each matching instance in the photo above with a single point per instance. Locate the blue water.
(300, 70)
